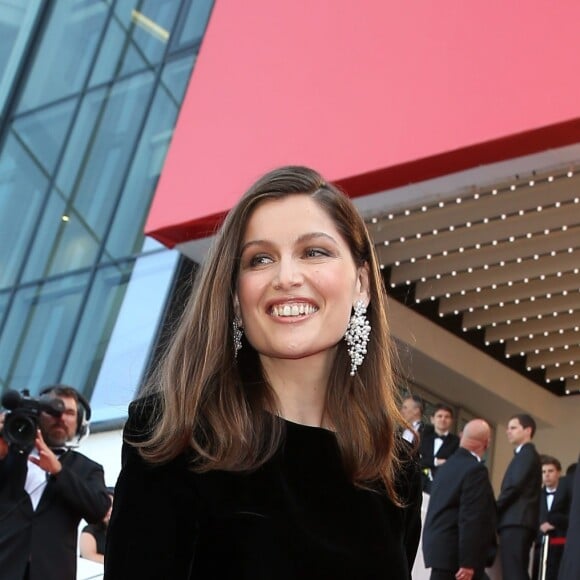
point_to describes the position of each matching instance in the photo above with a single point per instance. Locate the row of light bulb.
(478, 246)
(476, 196)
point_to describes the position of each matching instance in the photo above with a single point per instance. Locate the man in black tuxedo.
(44, 496)
(518, 501)
(554, 508)
(459, 533)
(570, 566)
(412, 410)
(437, 444)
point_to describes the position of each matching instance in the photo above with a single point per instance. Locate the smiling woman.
(297, 285)
(278, 456)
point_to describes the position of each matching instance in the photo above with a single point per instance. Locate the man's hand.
(3, 444)
(464, 574)
(547, 527)
(439, 461)
(46, 459)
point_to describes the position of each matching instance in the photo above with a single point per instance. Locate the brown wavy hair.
(223, 409)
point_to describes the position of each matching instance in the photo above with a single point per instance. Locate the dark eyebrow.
(301, 239)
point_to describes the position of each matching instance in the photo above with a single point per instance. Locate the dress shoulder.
(141, 418)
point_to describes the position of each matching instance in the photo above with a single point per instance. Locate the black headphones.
(83, 408)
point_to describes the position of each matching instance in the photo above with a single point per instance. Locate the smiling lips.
(295, 309)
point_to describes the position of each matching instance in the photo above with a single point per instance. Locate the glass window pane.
(192, 28)
(126, 236)
(43, 133)
(86, 123)
(4, 296)
(117, 331)
(63, 241)
(91, 180)
(17, 17)
(100, 148)
(66, 51)
(22, 193)
(136, 38)
(35, 340)
(175, 78)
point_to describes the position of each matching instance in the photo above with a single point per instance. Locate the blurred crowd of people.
(465, 524)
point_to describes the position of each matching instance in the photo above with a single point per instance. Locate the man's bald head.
(476, 436)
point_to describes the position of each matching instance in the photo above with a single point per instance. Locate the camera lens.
(20, 432)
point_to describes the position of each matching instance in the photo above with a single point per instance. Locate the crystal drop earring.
(357, 336)
(237, 330)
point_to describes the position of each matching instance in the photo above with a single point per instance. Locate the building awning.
(407, 107)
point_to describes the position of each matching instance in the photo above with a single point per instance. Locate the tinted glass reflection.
(16, 21)
(22, 193)
(136, 38)
(43, 133)
(65, 55)
(191, 28)
(63, 241)
(126, 236)
(36, 339)
(91, 179)
(117, 331)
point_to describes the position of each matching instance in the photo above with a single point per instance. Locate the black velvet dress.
(297, 517)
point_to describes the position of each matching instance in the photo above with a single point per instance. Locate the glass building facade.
(90, 91)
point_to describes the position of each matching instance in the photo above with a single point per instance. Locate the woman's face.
(298, 281)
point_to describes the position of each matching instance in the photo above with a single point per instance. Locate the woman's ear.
(363, 284)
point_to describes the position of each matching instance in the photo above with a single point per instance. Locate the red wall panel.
(374, 94)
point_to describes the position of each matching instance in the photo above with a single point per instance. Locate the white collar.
(475, 455)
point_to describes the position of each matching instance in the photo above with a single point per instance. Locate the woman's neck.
(300, 386)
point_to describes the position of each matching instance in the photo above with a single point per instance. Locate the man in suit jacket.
(570, 566)
(518, 501)
(437, 444)
(44, 496)
(412, 410)
(459, 534)
(554, 508)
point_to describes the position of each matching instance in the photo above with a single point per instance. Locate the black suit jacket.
(518, 501)
(558, 517)
(460, 524)
(570, 567)
(414, 433)
(559, 514)
(48, 535)
(449, 446)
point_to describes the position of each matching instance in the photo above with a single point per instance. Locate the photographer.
(44, 495)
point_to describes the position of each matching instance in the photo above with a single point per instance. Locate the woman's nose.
(288, 274)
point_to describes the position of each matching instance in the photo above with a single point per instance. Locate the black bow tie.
(442, 437)
(550, 492)
(58, 451)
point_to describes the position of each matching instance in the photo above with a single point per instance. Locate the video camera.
(21, 424)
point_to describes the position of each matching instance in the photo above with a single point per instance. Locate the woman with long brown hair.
(267, 443)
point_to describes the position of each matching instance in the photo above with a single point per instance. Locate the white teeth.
(293, 309)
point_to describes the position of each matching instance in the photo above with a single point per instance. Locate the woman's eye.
(260, 260)
(316, 252)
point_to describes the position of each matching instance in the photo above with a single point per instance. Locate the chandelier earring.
(357, 336)
(237, 331)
